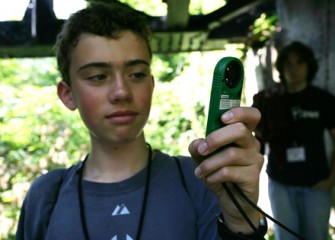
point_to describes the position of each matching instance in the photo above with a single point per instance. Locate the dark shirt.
(293, 124)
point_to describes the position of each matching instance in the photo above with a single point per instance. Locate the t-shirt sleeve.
(204, 200)
(328, 111)
(37, 206)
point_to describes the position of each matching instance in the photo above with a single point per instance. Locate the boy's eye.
(138, 75)
(97, 77)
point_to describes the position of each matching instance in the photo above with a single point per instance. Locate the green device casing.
(225, 92)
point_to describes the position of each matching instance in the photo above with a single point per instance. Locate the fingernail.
(202, 147)
(227, 116)
(198, 173)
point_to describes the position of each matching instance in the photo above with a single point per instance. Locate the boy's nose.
(119, 90)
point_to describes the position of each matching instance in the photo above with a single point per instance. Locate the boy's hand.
(232, 154)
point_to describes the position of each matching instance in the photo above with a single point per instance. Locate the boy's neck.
(294, 88)
(116, 163)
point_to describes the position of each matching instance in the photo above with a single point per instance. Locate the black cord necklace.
(144, 202)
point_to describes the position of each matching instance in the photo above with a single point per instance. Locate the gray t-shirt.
(113, 209)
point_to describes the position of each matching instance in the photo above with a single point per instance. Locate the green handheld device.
(226, 90)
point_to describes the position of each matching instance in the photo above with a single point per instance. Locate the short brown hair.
(304, 52)
(102, 19)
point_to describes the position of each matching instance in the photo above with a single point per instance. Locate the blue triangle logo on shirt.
(116, 238)
(120, 210)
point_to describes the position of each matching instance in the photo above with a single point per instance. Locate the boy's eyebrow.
(94, 65)
(136, 62)
(108, 65)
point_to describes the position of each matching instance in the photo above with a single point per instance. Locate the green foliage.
(168, 66)
(35, 131)
(263, 29)
(197, 7)
(179, 108)
(159, 8)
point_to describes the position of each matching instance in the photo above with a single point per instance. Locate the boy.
(123, 189)
(296, 114)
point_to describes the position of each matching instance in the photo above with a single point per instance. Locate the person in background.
(124, 189)
(295, 115)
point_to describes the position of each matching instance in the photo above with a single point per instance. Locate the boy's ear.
(65, 94)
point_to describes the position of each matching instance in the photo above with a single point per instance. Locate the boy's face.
(295, 70)
(111, 86)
